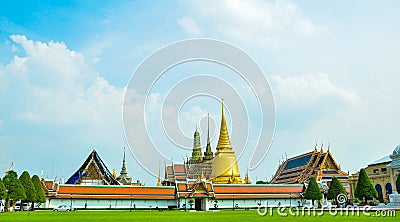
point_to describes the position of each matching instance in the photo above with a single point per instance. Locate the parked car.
(26, 206)
(63, 208)
(17, 206)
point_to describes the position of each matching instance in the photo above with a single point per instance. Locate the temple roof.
(396, 151)
(384, 159)
(194, 188)
(182, 189)
(115, 192)
(175, 172)
(298, 161)
(301, 168)
(93, 168)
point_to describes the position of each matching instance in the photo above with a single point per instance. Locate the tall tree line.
(24, 189)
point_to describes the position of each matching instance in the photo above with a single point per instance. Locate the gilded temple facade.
(221, 168)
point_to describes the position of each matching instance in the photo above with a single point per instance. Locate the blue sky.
(64, 66)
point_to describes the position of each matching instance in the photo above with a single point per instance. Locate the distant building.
(383, 173)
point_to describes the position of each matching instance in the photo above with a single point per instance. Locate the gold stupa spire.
(224, 166)
(223, 141)
(114, 173)
(158, 179)
(246, 178)
(202, 177)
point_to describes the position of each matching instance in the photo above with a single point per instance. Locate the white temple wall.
(209, 204)
(253, 203)
(112, 204)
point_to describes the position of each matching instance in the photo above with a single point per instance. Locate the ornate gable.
(194, 188)
(329, 163)
(93, 172)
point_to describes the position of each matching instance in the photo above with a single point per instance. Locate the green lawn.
(226, 215)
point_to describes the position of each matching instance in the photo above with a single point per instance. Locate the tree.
(261, 182)
(39, 197)
(29, 188)
(335, 188)
(398, 183)
(3, 191)
(15, 190)
(313, 192)
(364, 189)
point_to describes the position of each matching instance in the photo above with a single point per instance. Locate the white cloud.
(309, 89)
(312, 108)
(56, 91)
(256, 22)
(194, 115)
(18, 66)
(62, 87)
(189, 26)
(52, 64)
(3, 79)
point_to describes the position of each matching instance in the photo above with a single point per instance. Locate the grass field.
(239, 215)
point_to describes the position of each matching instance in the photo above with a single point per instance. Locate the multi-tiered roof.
(93, 172)
(301, 168)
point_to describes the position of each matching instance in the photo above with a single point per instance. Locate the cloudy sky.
(64, 68)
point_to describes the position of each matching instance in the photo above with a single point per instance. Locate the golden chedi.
(224, 167)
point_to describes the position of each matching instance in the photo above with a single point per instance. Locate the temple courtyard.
(225, 215)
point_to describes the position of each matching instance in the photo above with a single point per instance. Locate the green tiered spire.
(123, 177)
(196, 153)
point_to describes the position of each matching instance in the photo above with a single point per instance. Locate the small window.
(384, 170)
(376, 171)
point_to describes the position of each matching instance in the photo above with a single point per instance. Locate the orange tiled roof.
(179, 168)
(147, 197)
(49, 184)
(119, 192)
(169, 170)
(257, 191)
(198, 188)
